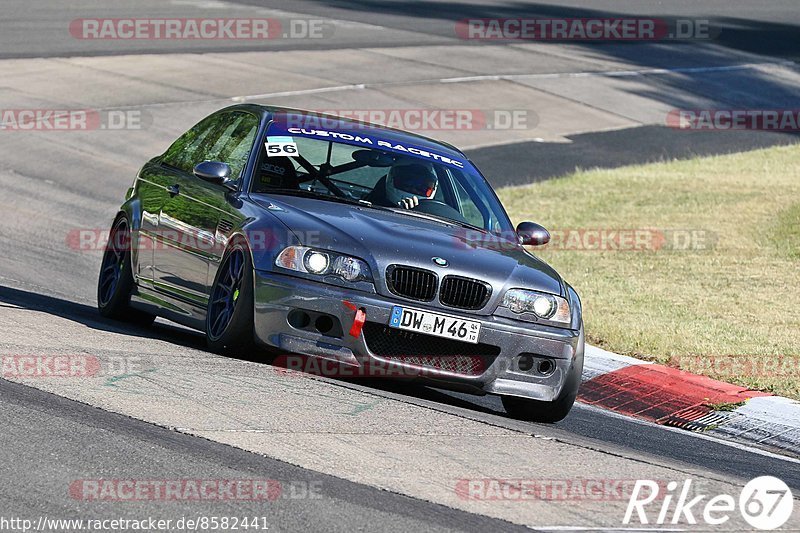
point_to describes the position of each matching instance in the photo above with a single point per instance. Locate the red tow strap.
(358, 321)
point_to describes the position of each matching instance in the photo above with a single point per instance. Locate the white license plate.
(435, 324)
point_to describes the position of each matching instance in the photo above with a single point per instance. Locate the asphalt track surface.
(519, 163)
(66, 436)
(35, 29)
(583, 422)
(48, 440)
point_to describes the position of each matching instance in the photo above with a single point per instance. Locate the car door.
(151, 186)
(189, 219)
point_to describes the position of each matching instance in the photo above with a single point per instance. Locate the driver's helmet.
(411, 178)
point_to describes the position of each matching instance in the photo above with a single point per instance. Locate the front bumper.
(512, 342)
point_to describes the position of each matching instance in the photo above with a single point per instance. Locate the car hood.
(383, 237)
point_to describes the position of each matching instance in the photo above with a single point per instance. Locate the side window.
(184, 151)
(234, 142)
(225, 137)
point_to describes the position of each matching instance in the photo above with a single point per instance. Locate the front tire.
(230, 314)
(115, 282)
(538, 411)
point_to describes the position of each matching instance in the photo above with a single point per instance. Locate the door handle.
(174, 190)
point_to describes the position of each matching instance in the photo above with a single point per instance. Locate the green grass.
(729, 406)
(735, 293)
(786, 235)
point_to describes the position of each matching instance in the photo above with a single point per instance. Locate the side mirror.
(215, 172)
(532, 234)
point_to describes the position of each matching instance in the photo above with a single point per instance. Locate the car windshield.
(374, 167)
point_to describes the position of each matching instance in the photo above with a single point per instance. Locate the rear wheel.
(230, 316)
(115, 283)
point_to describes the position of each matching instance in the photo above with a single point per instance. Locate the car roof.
(331, 122)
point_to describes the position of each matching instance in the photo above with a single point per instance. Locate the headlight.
(350, 268)
(316, 262)
(544, 306)
(310, 261)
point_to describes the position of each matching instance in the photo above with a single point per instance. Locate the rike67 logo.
(765, 503)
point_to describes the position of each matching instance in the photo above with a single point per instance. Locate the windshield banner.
(367, 137)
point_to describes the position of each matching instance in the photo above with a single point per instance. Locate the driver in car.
(409, 182)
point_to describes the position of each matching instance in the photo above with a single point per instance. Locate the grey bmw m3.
(347, 242)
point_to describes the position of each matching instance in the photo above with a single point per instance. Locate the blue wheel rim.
(226, 293)
(113, 261)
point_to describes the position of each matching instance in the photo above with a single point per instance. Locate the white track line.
(514, 77)
(617, 73)
(335, 88)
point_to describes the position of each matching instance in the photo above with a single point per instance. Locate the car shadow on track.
(528, 161)
(402, 385)
(88, 315)
(423, 391)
